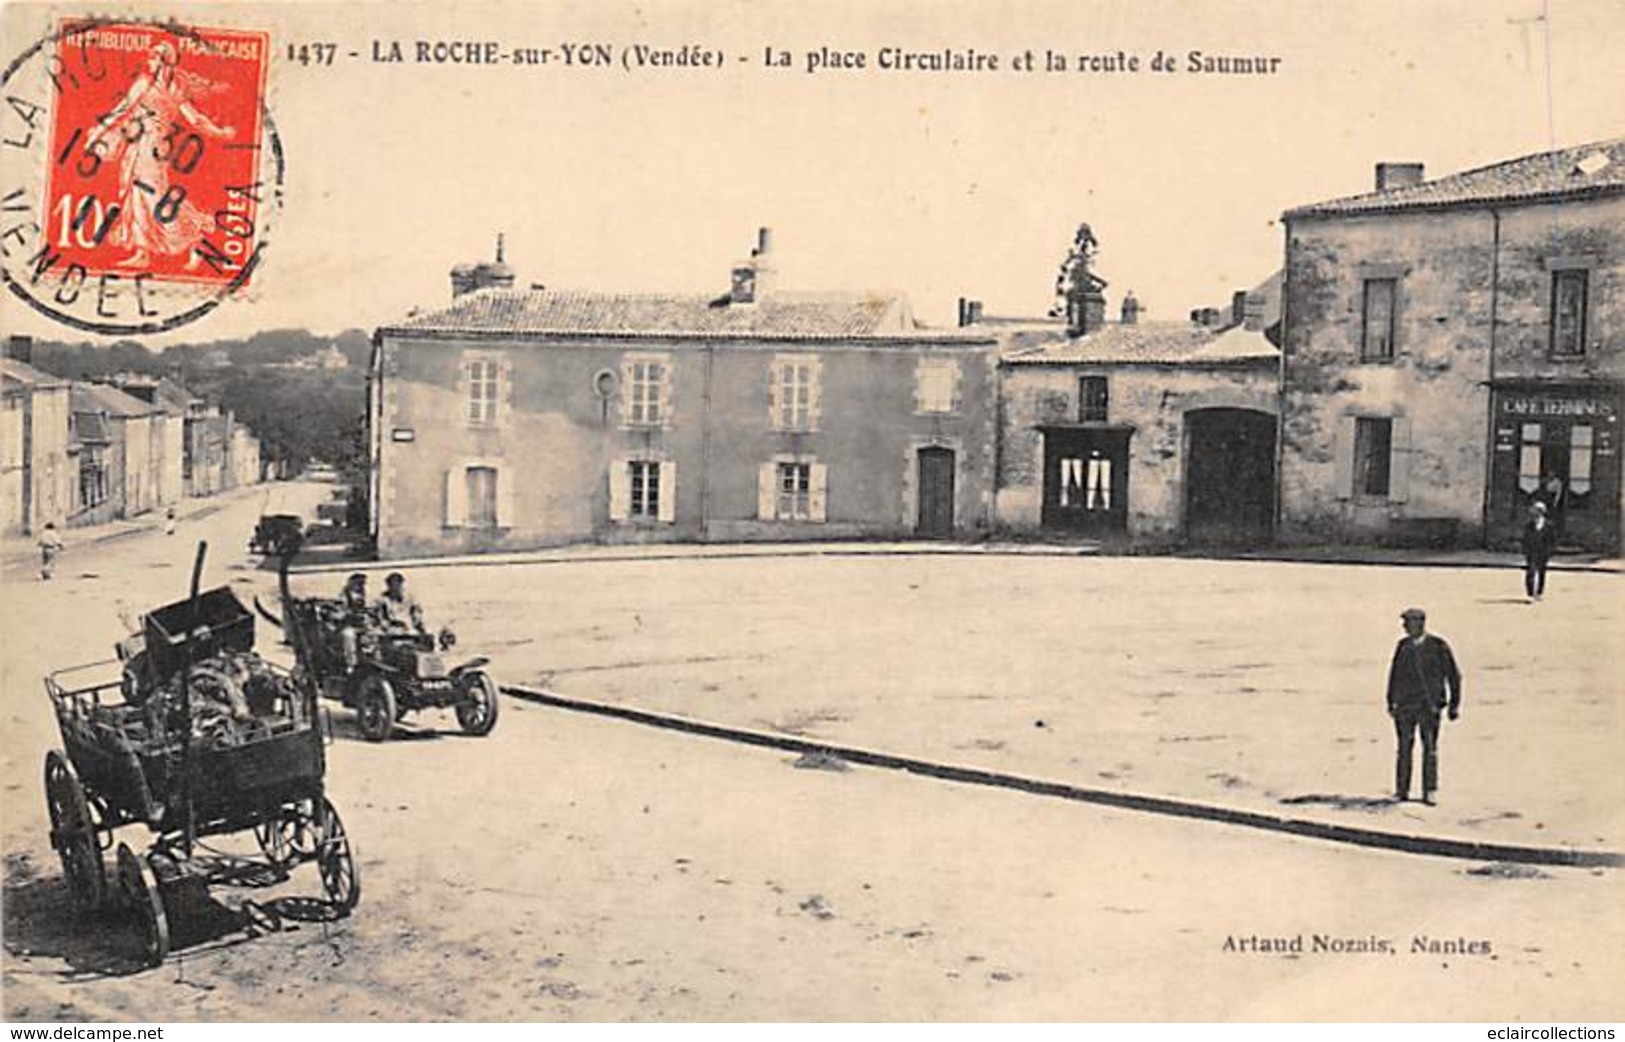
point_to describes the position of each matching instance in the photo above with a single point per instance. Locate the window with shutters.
(1570, 287)
(795, 393)
(1377, 335)
(479, 494)
(642, 490)
(1373, 452)
(483, 385)
(482, 496)
(644, 498)
(794, 491)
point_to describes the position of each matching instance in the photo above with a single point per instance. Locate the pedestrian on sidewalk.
(50, 547)
(1422, 682)
(1539, 540)
(169, 521)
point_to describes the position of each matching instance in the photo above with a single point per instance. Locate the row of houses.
(84, 453)
(1432, 358)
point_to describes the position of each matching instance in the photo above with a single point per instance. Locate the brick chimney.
(1253, 312)
(970, 312)
(753, 279)
(20, 348)
(1087, 312)
(1238, 307)
(1131, 309)
(1398, 175)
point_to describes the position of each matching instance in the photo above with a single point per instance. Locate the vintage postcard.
(764, 512)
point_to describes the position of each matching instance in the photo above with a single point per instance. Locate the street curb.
(492, 561)
(703, 552)
(1408, 843)
(1368, 562)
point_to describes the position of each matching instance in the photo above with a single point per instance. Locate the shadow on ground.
(41, 921)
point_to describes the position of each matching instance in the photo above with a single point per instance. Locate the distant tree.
(300, 416)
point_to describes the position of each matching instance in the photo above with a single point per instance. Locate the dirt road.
(567, 868)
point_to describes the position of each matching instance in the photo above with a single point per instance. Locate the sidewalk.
(22, 554)
(595, 552)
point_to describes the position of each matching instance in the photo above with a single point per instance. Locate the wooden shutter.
(817, 509)
(775, 375)
(815, 395)
(457, 496)
(767, 494)
(668, 492)
(1343, 458)
(620, 489)
(503, 476)
(668, 381)
(1399, 460)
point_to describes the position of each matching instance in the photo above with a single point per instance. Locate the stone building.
(1453, 352)
(1150, 433)
(519, 418)
(172, 403)
(37, 471)
(244, 457)
(120, 445)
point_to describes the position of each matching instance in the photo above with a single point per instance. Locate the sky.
(939, 185)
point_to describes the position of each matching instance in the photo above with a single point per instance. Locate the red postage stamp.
(154, 154)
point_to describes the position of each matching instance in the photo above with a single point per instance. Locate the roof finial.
(499, 247)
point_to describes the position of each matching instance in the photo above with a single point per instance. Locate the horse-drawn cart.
(193, 735)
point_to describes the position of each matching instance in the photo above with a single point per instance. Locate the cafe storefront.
(1558, 444)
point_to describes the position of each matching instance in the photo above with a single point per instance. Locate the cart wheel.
(142, 898)
(73, 832)
(478, 714)
(375, 704)
(336, 861)
(290, 836)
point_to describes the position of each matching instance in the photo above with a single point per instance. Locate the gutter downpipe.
(1280, 383)
(705, 444)
(1489, 409)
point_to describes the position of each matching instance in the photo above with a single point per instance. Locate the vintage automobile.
(192, 735)
(396, 673)
(278, 534)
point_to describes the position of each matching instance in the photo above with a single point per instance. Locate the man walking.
(50, 548)
(1539, 539)
(1422, 681)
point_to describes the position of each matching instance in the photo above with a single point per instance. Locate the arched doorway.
(1229, 476)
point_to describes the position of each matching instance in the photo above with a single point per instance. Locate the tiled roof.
(90, 428)
(778, 316)
(1143, 343)
(1594, 169)
(21, 374)
(111, 400)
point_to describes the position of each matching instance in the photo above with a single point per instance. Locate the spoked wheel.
(290, 835)
(141, 897)
(376, 708)
(73, 832)
(336, 861)
(478, 714)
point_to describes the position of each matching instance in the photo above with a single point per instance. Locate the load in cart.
(191, 734)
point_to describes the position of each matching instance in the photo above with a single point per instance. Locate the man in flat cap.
(1422, 682)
